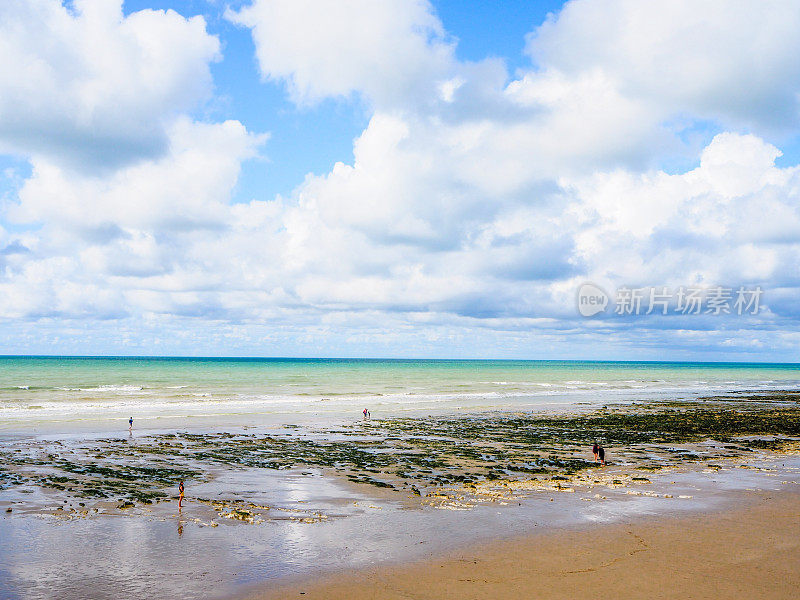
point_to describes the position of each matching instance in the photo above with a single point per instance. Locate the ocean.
(62, 394)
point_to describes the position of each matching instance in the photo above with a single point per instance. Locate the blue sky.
(404, 178)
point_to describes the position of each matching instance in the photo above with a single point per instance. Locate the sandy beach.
(748, 552)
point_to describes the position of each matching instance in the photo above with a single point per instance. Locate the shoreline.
(736, 552)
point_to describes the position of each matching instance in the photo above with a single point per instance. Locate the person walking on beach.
(130, 424)
(595, 450)
(180, 494)
(366, 412)
(601, 453)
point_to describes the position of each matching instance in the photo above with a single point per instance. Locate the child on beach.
(130, 424)
(601, 453)
(180, 494)
(595, 450)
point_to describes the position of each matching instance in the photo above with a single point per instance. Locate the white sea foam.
(103, 388)
(115, 388)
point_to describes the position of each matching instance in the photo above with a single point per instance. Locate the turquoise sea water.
(80, 392)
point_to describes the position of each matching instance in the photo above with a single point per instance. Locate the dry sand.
(749, 552)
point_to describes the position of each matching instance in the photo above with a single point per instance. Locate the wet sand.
(748, 552)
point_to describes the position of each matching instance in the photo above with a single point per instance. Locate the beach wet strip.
(446, 462)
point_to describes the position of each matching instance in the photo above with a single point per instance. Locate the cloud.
(733, 220)
(326, 250)
(389, 51)
(734, 62)
(113, 239)
(186, 188)
(91, 89)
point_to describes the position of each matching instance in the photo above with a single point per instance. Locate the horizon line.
(398, 359)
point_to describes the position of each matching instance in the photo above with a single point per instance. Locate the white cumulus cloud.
(92, 89)
(389, 51)
(736, 62)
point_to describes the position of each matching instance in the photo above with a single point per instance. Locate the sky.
(401, 178)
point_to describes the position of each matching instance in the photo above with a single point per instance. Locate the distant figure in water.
(130, 424)
(369, 415)
(595, 451)
(180, 494)
(602, 454)
(366, 412)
